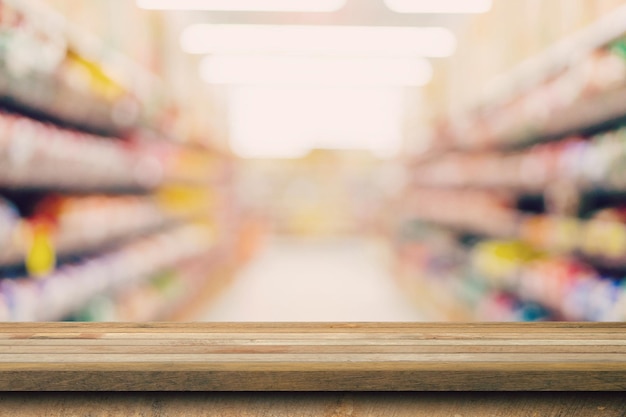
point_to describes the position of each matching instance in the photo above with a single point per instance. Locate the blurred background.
(312, 160)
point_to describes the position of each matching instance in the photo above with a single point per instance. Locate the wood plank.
(202, 359)
(166, 348)
(318, 404)
(286, 327)
(199, 341)
(163, 346)
(319, 337)
(312, 356)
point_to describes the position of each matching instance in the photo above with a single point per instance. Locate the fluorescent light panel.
(439, 6)
(333, 40)
(315, 71)
(245, 5)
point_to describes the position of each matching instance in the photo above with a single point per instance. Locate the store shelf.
(548, 131)
(575, 87)
(94, 224)
(48, 99)
(488, 215)
(519, 265)
(506, 280)
(102, 192)
(59, 72)
(45, 75)
(556, 58)
(176, 293)
(584, 116)
(482, 212)
(582, 164)
(39, 155)
(36, 155)
(70, 287)
(570, 287)
(160, 298)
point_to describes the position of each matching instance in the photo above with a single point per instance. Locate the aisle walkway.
(299, 280)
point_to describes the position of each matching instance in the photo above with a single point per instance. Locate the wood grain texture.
(312, 357)
(319, 404)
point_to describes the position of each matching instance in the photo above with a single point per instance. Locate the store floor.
(314, 280)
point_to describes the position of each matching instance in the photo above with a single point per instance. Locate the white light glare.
(336, 40)
(269, 122)
(440, 6)
(315, 71)
(245, 5)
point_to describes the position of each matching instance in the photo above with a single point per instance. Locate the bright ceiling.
(336, 77)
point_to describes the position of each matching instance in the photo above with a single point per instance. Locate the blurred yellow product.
(613, 239)
(186, 200)
(41, 255)
(100, 82)
(499, 259)
(599, 239)
(616, 241)
(567, 234)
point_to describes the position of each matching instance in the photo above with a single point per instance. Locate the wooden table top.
(312, 357)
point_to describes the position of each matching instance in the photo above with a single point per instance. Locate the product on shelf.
(41, 71)
(81, 224)
(474, 211)
(515, 280)
(565, 285)
(596, 162)
(579, 91)
(601, 237)
(110, 213)
(39, 155)
(502, 280)
(503, 307)
(34, 154)
(541, 164)
(53, 69)
(70, 287)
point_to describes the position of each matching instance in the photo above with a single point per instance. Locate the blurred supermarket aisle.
(315, 280)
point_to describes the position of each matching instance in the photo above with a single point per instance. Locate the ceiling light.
(336, 40)
(245, 5)
(287, 70)
(270, 122)
(439, 6)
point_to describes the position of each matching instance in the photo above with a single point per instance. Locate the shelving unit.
(104, 214)
(573, 87)
(551, 134)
